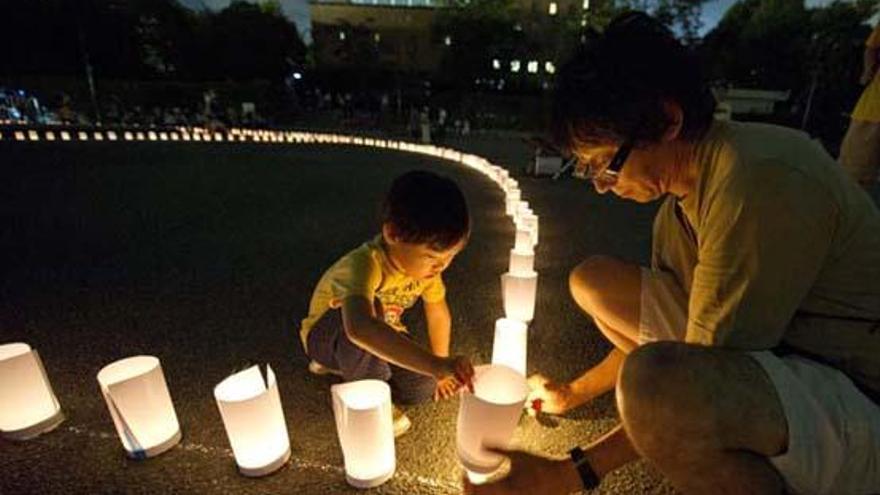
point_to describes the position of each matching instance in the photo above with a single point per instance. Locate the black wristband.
(588, 476)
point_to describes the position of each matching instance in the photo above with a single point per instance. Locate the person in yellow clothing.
(746, 357)
(860, 150)
(354, 327)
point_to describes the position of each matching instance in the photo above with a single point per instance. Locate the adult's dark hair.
(425, 208)
(614, 86)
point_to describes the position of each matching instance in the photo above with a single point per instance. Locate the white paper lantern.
(366, 432)
(522, 261)
(523, 240)
(530, 222)
(489, 416)
(519, 292)
(512, 201)
(254, 420)
(28, 407)
(510, 346)
(138, 399)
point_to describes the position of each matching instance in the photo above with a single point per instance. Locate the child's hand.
(460, 369)
(446, 388)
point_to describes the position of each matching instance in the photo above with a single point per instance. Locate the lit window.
(447, 40)
(514, 66)
(552, 9)
(549, 68)
(533, 67)
(341, 35)
(496, 64)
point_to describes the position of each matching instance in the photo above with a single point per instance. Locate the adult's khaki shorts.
(833, 428)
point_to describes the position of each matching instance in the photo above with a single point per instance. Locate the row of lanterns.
(249, 402)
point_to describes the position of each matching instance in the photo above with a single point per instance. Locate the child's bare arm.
(374, 335)
(439, 326)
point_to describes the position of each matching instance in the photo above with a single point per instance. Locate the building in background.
(397, 32)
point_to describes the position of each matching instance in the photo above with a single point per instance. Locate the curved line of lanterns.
(141, 407)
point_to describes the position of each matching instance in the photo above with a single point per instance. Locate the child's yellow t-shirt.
(366, 271)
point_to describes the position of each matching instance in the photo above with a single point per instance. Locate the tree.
(779, 44)
(247, 41)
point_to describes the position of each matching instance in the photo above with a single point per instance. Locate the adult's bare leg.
(709, 418)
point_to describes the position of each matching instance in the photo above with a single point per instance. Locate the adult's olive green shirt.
(776, 248)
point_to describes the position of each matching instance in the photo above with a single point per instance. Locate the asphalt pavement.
(205, 256)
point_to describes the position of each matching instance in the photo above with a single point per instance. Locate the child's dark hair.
(425, 208)
(614, 86)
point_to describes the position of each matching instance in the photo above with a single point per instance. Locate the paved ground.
(205, 256)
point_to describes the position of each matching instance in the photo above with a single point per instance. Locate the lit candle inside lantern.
(511, 343)
(140, 405)
(521, 261)
(489, 416)
(251, 410)
(29, 404)
(366, 434)
(519, 292)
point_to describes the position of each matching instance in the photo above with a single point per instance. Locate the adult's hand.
(555, 398)
(530, 474)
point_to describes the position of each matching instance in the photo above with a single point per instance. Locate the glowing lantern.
(128, 136)
(138, 399)
(163, 136)
(29, 405)
(111, 136)
(529, 222)
(33, 135)
(519, 292)
(139, 136)
(174, 136)
(50, 136)
(523, 239)
(489, 416)
(83, 136)
(366, 434)
(19, 136)
(513, 196)
(521, 261)
(251, 410)
(65, 136)
(511, 343)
